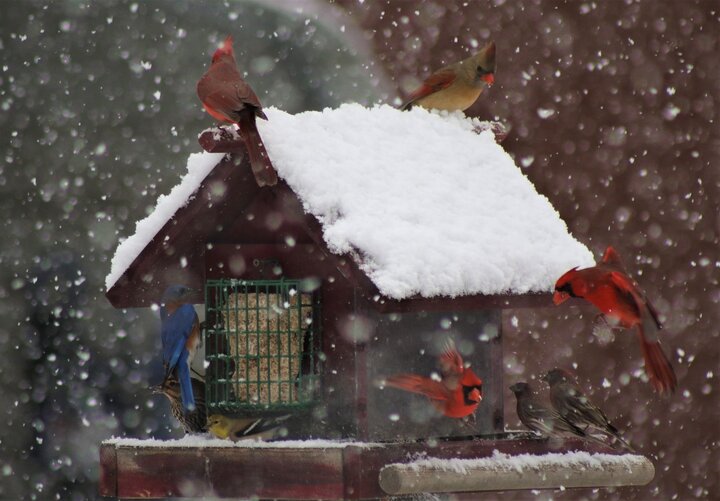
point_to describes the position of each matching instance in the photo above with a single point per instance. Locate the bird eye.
(480, 70)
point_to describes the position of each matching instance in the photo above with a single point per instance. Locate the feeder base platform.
(323, 469)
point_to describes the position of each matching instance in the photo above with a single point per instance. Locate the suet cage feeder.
(261, 345)
(292, 328)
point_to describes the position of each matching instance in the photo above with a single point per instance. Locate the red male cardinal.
(613, 292)
(456, 87)
(459, 392)
(228, 98)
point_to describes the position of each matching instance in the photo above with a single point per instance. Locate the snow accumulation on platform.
(210, 441)
(524, 462)
(424, 205)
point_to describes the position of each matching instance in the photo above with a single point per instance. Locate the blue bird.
(180, 335)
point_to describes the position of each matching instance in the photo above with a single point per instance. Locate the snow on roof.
(425, 205)
(521, 462)
(199, 165)
(210, 441)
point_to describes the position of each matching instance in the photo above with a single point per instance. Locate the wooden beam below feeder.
(220, 472)
(332, 470)
(400, 479)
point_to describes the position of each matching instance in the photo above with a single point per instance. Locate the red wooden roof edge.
(175, 253)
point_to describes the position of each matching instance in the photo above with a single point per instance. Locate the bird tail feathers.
(434, 390)
(624, 442)
(657, 366)
(266, 428)
(262, 168)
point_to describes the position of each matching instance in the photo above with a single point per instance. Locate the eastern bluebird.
(180, 334)
(192, 421)
(235, 429)
(540, 418)
(572, 404)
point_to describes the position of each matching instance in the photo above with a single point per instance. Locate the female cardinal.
(228, 98)
(459, 392)
(456, 87)
(614, 293)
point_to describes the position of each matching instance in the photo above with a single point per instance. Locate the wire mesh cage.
(261, 344)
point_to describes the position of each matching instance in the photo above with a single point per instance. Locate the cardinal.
(457, 86)
(458, 393)
(228, 98)
(573, 405)
(619, 298)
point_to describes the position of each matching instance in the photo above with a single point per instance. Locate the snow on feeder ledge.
(387, 233)
(503, 472)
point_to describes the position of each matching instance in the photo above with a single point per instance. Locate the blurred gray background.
(614, 108)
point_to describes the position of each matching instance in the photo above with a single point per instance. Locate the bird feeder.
(295, 325)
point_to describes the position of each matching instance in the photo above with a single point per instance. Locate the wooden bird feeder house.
(292, 326)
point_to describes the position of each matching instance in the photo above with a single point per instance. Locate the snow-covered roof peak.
(425, 205)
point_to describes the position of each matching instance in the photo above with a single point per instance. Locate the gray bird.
(572, 404)
(194, 421)
(541, 418)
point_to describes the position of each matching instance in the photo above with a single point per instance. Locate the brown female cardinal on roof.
(228, 98)
(620, 299)
(459, 392)
(457, 86)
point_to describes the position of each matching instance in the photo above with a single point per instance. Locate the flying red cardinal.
(228, 98)
(456, 396)
(619, 297)
(457, 86)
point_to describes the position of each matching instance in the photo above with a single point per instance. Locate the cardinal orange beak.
(489, 78)
(475, 395)
(560, 297)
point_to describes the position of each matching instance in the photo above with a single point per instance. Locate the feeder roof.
(423, 204)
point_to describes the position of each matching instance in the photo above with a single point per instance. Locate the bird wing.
(265, 427)
(628, 285)
(579, 405)
(434, 390)
(186, 390)
(551, 422)
(175, 330)
(451, 364)
(612, 258)
(229, 105)
(223, 89)
(437, 81)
